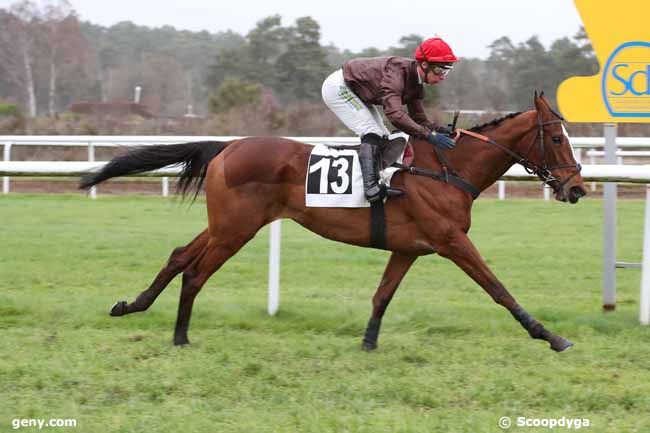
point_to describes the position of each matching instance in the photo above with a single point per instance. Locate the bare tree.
(163, 79)
(54, 17)
(17, 47)
(42, 48)
(67, 54)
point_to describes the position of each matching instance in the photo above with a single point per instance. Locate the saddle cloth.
(334, 175)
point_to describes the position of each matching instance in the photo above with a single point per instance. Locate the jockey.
(355, 91)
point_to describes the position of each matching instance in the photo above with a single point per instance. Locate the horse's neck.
(482, 164)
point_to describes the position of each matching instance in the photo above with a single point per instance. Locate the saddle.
(390, 151)
(393, 149)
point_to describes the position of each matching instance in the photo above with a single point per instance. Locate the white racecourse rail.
(93, 141)
(600, 173)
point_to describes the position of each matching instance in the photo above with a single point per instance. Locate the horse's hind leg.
(217, 251)
(180, 258)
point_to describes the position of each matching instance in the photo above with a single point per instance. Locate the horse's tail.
(195, 158)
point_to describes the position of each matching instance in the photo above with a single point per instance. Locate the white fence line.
(118, 140)
(639, 174)
(94, 141)
(620, 153)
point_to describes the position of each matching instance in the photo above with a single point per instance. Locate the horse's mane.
(495, 122)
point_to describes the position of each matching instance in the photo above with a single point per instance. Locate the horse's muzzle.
(574, 194)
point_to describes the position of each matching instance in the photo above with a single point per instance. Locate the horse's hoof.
(369, 346)
(560, 344)
(181, 341)
(119, 309)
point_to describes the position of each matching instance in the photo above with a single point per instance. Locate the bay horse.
(253, 181)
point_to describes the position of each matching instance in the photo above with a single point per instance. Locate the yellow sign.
(620, 34)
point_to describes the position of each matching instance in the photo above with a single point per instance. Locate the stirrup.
(393, 192)
(379, 192)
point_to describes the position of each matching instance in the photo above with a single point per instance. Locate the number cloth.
(334, 177)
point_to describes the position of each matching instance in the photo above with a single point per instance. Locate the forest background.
(62, 75)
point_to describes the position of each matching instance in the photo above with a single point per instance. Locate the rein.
(543, 171)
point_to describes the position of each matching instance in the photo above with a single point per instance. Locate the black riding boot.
(368, 155)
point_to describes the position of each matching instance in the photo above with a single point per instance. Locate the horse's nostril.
(575, 193)
(578, 191)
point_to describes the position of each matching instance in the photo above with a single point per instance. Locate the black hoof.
(369, 346)
(181, 341)
(560, 344)
(119, 309)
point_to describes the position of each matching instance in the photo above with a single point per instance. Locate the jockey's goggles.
(441, 70)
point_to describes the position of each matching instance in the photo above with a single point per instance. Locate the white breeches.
(353, 112)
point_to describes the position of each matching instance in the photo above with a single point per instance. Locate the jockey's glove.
(441, 140)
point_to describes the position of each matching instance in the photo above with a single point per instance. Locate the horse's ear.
(541, 94)
(537, 100)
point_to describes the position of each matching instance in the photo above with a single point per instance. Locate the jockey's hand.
(441, 140)
(446, 130)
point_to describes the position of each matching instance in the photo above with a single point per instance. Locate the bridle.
(543, 171)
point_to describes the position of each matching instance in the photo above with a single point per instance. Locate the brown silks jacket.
(391, 82)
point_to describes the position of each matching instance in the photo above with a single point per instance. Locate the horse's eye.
(557, 139)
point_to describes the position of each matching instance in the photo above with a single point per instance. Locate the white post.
(578, 155)
(547, 193)
(644, 314)
(609, 224)
(138, 93)
(501, 187)
(165, 186)
(91, 158)
(274, 267)
(7, 157)
(592, 161)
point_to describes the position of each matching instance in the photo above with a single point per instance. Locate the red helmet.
(434, 50)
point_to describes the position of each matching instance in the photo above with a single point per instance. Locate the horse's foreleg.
(463, 252)
(398, 265)
(179, 260)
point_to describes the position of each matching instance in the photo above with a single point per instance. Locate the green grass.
(449, 359)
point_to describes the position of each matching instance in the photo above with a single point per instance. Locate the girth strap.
(442, 177)
(377, 225)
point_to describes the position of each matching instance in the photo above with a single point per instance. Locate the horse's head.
(550, 154)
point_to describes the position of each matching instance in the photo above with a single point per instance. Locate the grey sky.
(468, 25)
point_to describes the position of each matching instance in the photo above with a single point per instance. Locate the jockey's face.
(433, 78)
(429, 75)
